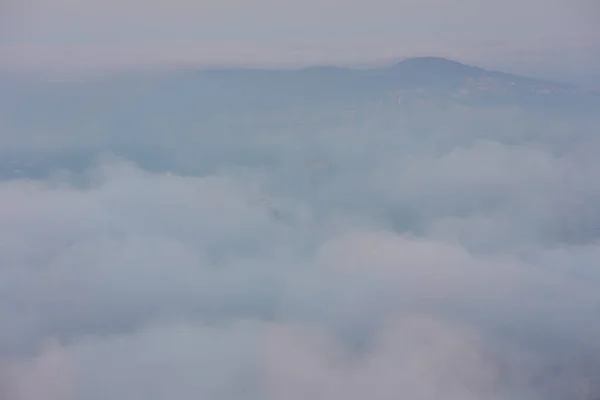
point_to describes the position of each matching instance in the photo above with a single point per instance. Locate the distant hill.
(175, 106)
(433, 78)
(211, 91)
(432, 71)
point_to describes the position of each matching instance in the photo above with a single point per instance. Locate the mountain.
(431, 70)
(436, 77)
(208, 92)
(421, 78)
(65, 123)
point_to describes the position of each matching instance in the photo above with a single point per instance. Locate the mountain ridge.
(426, 64)
(453, 65)
(427, 79)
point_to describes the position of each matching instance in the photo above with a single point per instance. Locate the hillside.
(84, 118)
(218, 91)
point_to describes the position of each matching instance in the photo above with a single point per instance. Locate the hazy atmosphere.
(557, 39)
(421, 230)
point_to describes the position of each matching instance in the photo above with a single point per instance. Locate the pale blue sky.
(545, 36)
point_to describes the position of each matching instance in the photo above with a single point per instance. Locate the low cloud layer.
(363, 254)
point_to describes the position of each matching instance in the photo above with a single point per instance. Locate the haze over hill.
(165, 105)
(432, 78)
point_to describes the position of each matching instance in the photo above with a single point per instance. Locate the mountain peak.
(431, 60)
(433, 72)
(433, 64)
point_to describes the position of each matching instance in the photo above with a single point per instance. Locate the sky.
(544, 37)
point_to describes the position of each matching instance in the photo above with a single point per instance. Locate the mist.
(162, 238)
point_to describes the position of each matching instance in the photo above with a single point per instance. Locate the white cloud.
(308, 254)
(48, 376)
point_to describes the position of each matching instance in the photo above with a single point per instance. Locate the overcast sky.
(546, 36)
